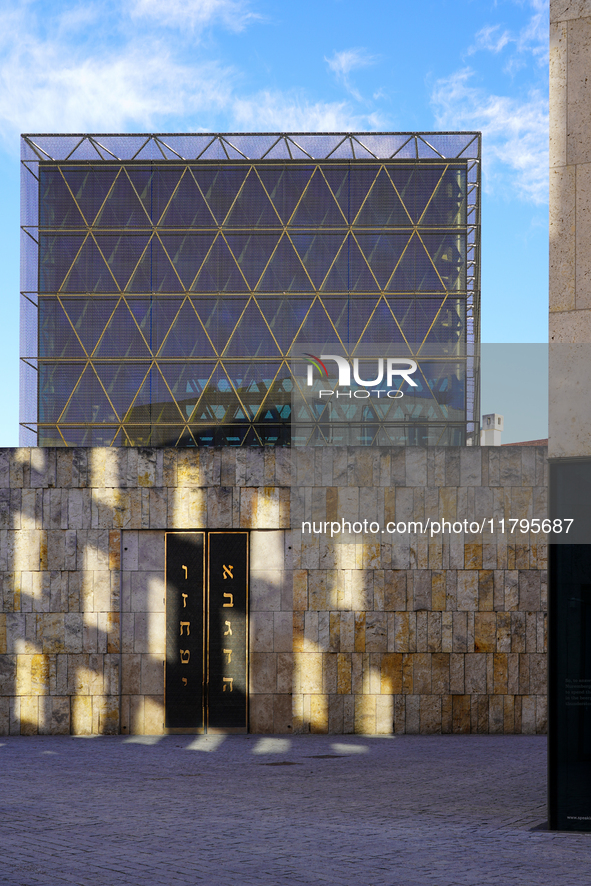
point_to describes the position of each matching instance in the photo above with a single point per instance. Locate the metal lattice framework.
(168, 281)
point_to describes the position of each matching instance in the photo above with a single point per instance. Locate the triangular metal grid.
(251, 146)
(168, 329)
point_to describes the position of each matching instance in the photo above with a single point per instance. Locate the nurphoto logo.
(388, 368)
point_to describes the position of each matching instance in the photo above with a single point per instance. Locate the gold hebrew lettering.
(229, 605)
(186, 572)
(187, 625)
(229, 680)
(185, 598)
(185, 681)
(185, 655)
(228, 571)
(228, 652)
(228, 633)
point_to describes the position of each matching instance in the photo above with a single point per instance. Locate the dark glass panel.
(187, 209)
(416, 185)
(445, 321)
(187, 253)
(122, 337)
(50, 437)
(165, 435)
(350, 271)
(155, 186)
(350, 315)
(90, 186)
(415, 271)
(220, 272)
(276, 406)
(89, 403)
(338, 179)
(382, 206)
(145, 312)
(56, 254)
(415, 316)
(89, 316)
(186, 337)
(252, 382)
(120, 439)
(285, 272)
(361, 178)
(318, 206)
(154, 402)
(89, 272)
(219, 185)
(56, 383)
(445, 389)
(142, 181)
(97, 436)
(121, 381)
(57, 208)
(285, 186)
(227, 435)
(317, 328)
(448, 252)
(284, 316)
(122, 207)
(122, 253)
(382, 329)
(273, 434)
(448, 206)
(56, 336)
(219, 404)
(154, 272)
(252, 252)
(251, 337)
(219, 316)
(252, 207)
(187, 381)
(186, 440)
(317, 251)
(383, 252)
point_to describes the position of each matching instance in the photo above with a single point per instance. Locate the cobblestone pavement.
(180, 810)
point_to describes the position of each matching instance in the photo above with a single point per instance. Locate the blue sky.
(256, 65)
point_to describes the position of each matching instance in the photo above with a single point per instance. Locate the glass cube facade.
(172, 283)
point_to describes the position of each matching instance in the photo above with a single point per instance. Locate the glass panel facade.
(167, 301)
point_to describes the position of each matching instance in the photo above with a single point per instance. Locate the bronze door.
(206, 671)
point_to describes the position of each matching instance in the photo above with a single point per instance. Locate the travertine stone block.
(565, 10)
(81, 714)
(153, 714)
(152, 675)
(262, 631)
(282, 714)
(365, 714)
(261, 714)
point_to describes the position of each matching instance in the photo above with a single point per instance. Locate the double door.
(206, 671)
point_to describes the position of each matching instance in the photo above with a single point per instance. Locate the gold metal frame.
(280, 150)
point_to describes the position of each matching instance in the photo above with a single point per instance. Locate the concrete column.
(569, 445)
(570, 229)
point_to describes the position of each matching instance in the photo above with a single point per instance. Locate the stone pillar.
(570, 416)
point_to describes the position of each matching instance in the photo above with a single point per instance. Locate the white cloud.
(492, 39)
(532, 39)
(285, 112)
(54, 77)
(342, 63)
(233, 14)
(51, 85)
(515, 133)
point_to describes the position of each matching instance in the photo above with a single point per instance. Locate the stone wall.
(369, 636)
